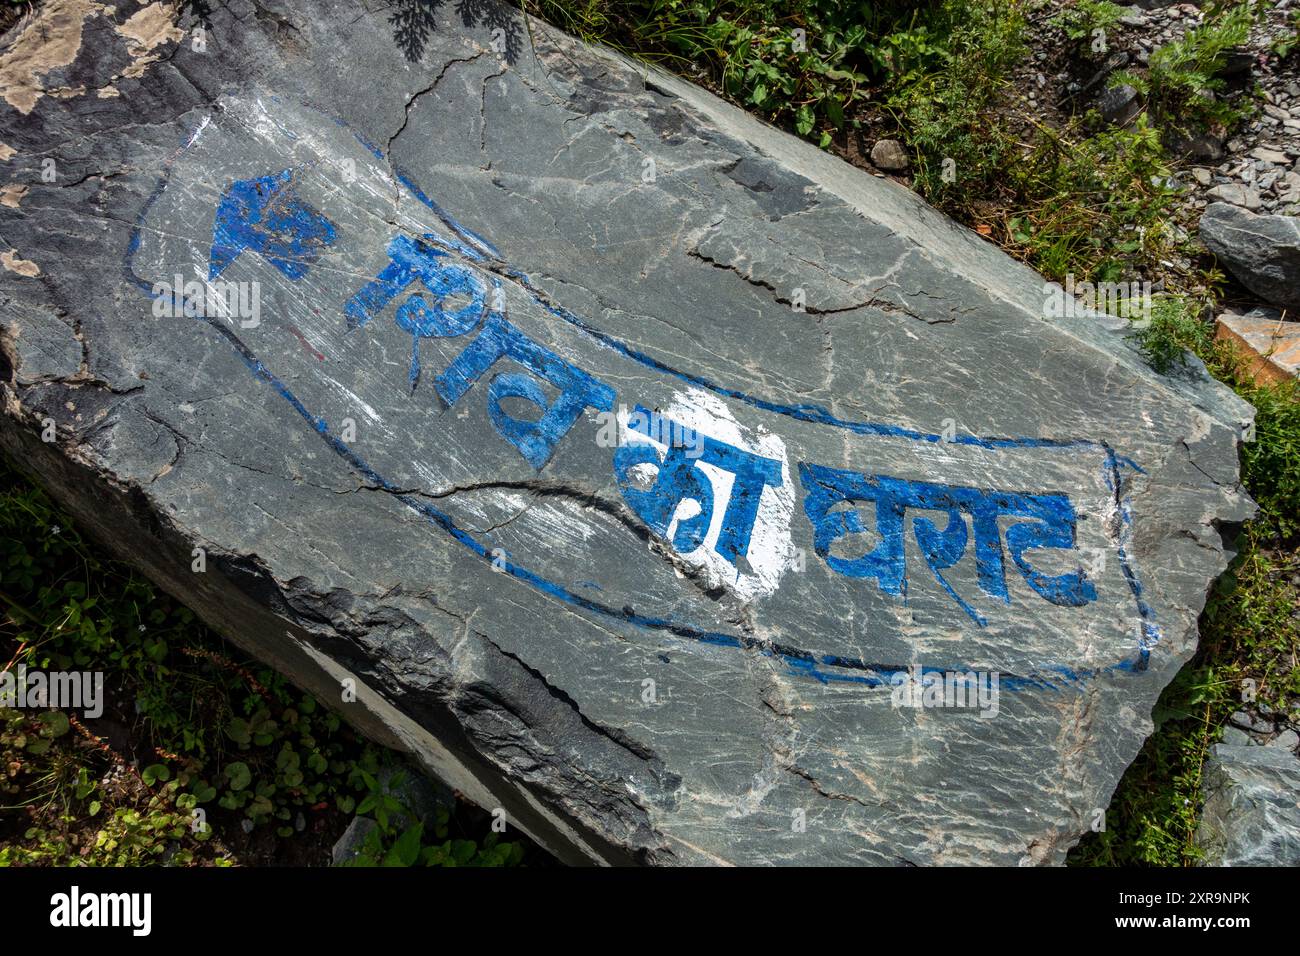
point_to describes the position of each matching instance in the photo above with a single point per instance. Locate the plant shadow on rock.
(413, 21)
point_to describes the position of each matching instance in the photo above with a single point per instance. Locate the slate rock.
(1236, 737)
(889, 155)
(1258, 724)
(1251, 815)
(385, 433)
(1261, 251)
(1118, 104)
(1095, 83)
(1202, 148)
(1236, 63)
(1286, 740)
(1271, 156)
(1235, 194)
(418, 798)
(350, 843)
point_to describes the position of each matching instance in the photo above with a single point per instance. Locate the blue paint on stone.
(938, 547)
(678, 479)
(420, 315)
(1050, 523)
(265, 215)
(535, 440)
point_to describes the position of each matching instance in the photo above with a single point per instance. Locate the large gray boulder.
(1262, 252)
(1252, 807)
(638, 467)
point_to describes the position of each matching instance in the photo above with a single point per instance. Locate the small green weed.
(1182, 81)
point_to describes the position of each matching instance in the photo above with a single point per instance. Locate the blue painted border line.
(799, 661)
(814, 414)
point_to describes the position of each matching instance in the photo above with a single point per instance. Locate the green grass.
(940, 106)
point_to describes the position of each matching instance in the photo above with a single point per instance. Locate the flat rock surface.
(1261, 251)
(1270, 344)
(1252, 807)
(620, 456)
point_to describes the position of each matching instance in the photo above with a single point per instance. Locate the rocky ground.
(1253, 167)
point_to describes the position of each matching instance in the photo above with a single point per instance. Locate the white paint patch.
(194, 137)
(563, 527)
(771, 549)
(357, 402)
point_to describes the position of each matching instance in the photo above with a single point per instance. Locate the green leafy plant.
(1174, 330)
(1288, 41)
(1182, 79)
(806, 64)
(1083, 18)
(78, 818)
(399, 839)
(216, 739)
(1101, 207)
(942, 114)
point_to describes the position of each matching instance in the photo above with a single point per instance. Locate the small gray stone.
(1236, 737)
(1203, 148)
(1236, 63)
(1286, 740)
(1262, 252)
(1288, 186)
(349, 844)
(1118, 105)
(889, 155)
(1271, 156)
(1241, 718)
